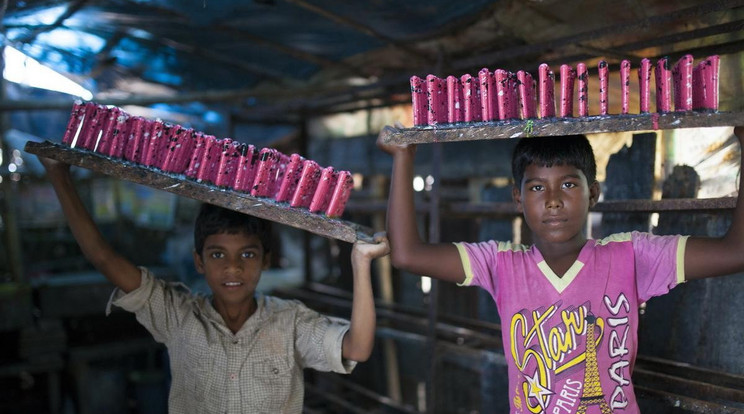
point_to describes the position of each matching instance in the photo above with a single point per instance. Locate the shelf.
(178, 184)
(560, 126)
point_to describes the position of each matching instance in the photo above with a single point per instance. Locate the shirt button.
(275, 371)
(233, 376)
(236, 341)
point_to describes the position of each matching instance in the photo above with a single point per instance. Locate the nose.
(553, 199)
(234, 265)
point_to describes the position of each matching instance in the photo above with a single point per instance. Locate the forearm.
(94, 247)
(79, 220)
(736, 231)
(727, 249)
(360, 339)
(408, 250)
(402, 229)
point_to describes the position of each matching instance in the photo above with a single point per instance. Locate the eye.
(537, 187)
(569, 185)
(216, 255)
(249, 255)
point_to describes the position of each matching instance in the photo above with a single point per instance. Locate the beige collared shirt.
(256, 370)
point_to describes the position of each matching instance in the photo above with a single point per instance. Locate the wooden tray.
(178, 184)
(561, 126)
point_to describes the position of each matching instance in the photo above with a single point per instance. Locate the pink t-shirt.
(546, 319)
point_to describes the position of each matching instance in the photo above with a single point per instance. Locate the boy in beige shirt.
(234, 351)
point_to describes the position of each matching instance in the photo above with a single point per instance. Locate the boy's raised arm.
(708, 257)
(408, 252)
(360, 338)
(117, 269)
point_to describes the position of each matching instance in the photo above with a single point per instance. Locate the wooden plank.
(560, 126)
(178, 184)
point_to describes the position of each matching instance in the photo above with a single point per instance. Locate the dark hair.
(217, 220)
(574, 150)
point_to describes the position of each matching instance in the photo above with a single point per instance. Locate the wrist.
(59, 175)
(360, 261)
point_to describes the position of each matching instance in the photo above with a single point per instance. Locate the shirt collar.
(259, 316)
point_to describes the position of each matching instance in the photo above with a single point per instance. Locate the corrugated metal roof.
(282, 59)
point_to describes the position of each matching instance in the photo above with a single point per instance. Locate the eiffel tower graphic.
(592, 393)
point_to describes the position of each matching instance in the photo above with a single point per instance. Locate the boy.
(235, 352)
(568, 305)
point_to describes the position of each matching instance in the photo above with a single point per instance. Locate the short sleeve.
(659, 263)
(158, 305)
(319, 341)
(479, 262)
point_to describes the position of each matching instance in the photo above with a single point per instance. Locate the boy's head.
(217, 220)
(574, 150)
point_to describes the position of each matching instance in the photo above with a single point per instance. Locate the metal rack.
(705, 391)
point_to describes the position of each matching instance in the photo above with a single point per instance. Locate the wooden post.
(434, 237)
(385, 283)
(10, 237)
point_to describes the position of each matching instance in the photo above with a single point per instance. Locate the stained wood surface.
(560, 126)
(179, 184)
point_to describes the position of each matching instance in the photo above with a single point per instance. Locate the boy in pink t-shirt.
(568, 305)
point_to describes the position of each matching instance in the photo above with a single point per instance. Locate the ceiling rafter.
(724, 28)
(514, 52)
(190, 50)
(308, 95)
(401, 81)
(331, 93)
(294, 52)
(72, 8)
(361, 28)
(200, 52)
(456, 25)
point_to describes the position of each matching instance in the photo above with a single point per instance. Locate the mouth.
(554, 221)
(232, 285)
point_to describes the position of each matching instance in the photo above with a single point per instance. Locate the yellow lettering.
(536, 329)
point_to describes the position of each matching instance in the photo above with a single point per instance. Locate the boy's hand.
(389, 147)
(369, 251)
(54, 166)
(739, 132)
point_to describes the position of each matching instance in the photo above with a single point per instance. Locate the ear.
(517, 197)
(198, 262)
(594, 191)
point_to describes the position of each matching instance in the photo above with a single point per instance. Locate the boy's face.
(555, 201)
(232, 265)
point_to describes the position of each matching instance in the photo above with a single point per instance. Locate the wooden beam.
(497, 56)
(177, 184)
(72, 8)
(191, 51)
(294, 52)
(361, 28)
(560, 126)
(307, 93)
(725, 28)
(10, 233)
(200, 52)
